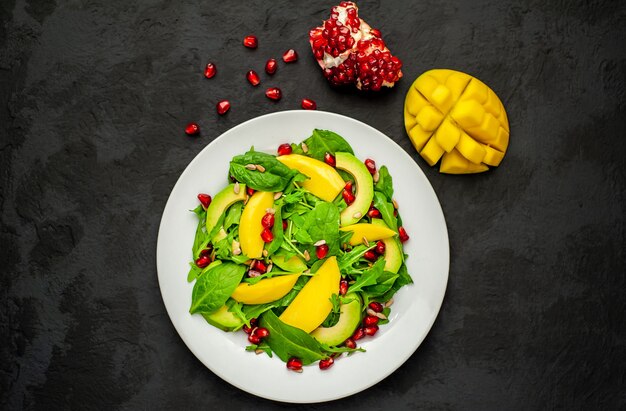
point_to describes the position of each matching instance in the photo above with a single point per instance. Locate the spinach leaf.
(325, 141)
(200, 238)
(386, 209)
(214, 287)
(287, 341)
(194, 272)
(385, 183)
(275, 177)
(369, 277)
(322, 223)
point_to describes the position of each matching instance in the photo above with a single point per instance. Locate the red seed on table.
(308, 104)
(370, 320)
(268, 220)
(330, 160)
(370, 255)
(380, 248)
(271, 66)
(290, 56)
(192, 129)
(371, 165)
(321, 251)
(203, 261)
(205, 200)
(267, 236)
(376, 306)
(284, 149)
(273, 93)
(222, 107)
(326, 363)
(210, 70)
(253, 78)
(343, 287)
(251, 42)
(294, 364)
(370, 330)
(350, 343)
(402, 234)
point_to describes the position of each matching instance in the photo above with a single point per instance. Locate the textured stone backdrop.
(94, 95)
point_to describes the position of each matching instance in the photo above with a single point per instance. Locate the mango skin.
(324, 181)
(448, 114)
(250, 227)
(371, 232)
(266, 290)
(312, 304)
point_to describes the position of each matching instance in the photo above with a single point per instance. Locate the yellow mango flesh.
(448, 114)
(250, 227)
(370, 232)
(266, 290)
(324, 181)
(311, 306)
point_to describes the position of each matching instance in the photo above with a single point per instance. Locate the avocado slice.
(224, 319)
(393, 253)
(291, 265)
(364, 187)
(349, 318)
(221, 202)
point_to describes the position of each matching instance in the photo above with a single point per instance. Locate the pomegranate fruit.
(284, 149)
(210, 70)
(376, 306)
(380, 247)
(270, 66)
(343, 287)
(222, 107)
(330, 159)
(350, 343)
(273, 93)
(371, 165)
(192, 129)
(285, 225)
(290, 56)
(348, 197)
(250, 190)
(251, 42)
(370, 330)
(373, 213)
(349, 51)
(203, 261)
(253, 78)
(370, 255)
(308, 104)
(370, 320)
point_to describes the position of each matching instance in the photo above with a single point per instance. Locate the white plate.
(415, 308)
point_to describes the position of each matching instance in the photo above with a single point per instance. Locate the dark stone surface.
(94, 95)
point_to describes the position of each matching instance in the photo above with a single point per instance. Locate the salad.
(302, 250)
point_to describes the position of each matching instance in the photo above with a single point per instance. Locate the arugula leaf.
(347, 260)
(369, 277)
(333, 316)
(287, 341)
(383, 284)
(194, 272)
(275, 177)
(342, 349)
(386, 210)
(214, 287)
(235, 308)
(201, 234)
(385, 183)
(262, 346)
(325, 141)
(403, 279)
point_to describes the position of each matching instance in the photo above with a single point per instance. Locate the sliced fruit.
(266, 290)
(324, 181)
(293, 264)
(250, 227)
(393, 253)
(222, 200)
(448, 114)
(312, 304)
(224, 319)
(364, 187)
(367, 231)
(349, 318)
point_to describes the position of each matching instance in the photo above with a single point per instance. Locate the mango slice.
(371, 232)
(312, 304)
(266, 290)
(455, 118)
(324, 181)
(250, 227)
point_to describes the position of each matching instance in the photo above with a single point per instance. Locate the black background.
(94, 96)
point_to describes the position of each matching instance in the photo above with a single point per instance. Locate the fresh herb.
(233, 215)
(386, 210)
(322, 223)
(385, 183)
(369, 277)
(325, 141)
(275, 175)
(214, 287)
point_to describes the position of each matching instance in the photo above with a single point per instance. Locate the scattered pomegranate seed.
(290, 56)
(376, 306)
(273, 93)
(262, 332)
(294, 364)
(267, 236)
(308, 104)
(326, 363)
(330, 160)
(205, 200)
(370, 329)
(370, 320)
(373, 213)
(371, 165)
(358, 334)
(268, 220)
(350, 343)
(348, 197)
(343, 287)
(271, 66)
(210, 70)
(251, 42)
(370, 255)
(253, 78)
(250, 190)
(402, 234)
(203, 261)
(284, 149)
(222, 107)
(285, 225)
(192, 129)
(321, 251)
(380, 247)
(375, 32)
(254, 339)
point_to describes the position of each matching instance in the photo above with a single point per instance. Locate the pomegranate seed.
(308, 104)
(348, 186)
(330, 160)
(270, 66)
(374, 213)
(370, 329)
(290, 56)
(250, 190)
(247, 329)
(251, 42)
(371, 165)
(358, 334)
(375, 32)
(285, 225)
(253, 78)
(207, 250)
(284, 149)
(326, 363)
(380, 247)
(370, 255)
(402, 234)
(210, 70)
(192, 129)
(262, 332)
(222, 107)
(294, 364)
(205, 200)
(259, 266)
(268, 220)
(321, 251)
(203, 261)
(350, 343)
(273, 93)
(348, 197)
(254, 322)
(254, 339)
(370, 320)
(267, 236)
(343, 287)
(376, 306)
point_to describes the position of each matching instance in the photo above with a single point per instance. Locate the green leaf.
(386, 210)
(201, 234)
(383, 284)
(369, 277)
(322, 223)
(233, 215)
(262, 346)
(385, 183)
(275, 177)
(277, 230)
(214, 287)
(403, 279)
(287, 341)
(325, 141)
(347, 260)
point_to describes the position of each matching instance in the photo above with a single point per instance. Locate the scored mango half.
(266, 290)
(456, 118)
